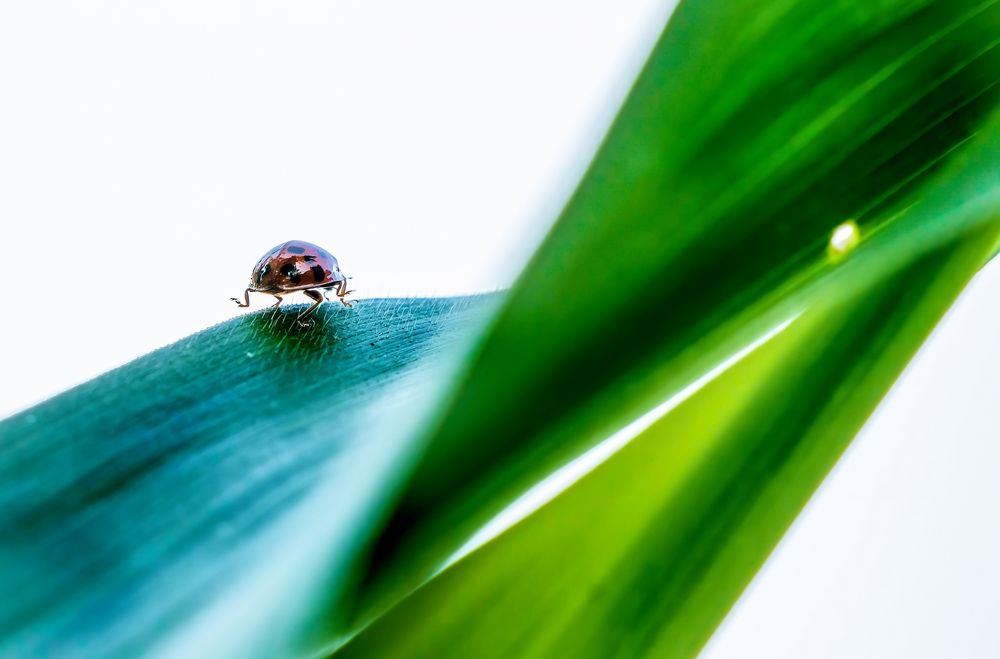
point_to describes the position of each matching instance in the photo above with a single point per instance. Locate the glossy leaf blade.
(750, 135)
(642, 556)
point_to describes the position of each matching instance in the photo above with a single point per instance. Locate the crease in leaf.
(569, 474)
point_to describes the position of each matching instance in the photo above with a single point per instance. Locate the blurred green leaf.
(751, 134)
(644, 554)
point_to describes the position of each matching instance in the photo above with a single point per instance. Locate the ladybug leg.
(342, 291)
(246, 299)
(278, 303)
(318, 298)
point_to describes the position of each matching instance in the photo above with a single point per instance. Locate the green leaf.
(751, 134)
(213, 498)
(200, 499)
(643, 555)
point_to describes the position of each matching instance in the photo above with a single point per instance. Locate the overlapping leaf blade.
(750, 135)
(643, 555)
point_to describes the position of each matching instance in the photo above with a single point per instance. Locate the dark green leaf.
(751, 134)
(642, 556)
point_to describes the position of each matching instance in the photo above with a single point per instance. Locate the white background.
(151, 152)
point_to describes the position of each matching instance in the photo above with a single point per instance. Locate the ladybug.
(297, 266)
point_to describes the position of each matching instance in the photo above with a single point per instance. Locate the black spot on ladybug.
(290, 271)
(318, 273)
(296, 250)
(263, 273)
(309, 257)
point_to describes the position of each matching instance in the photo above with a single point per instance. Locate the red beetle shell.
(295, 266)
